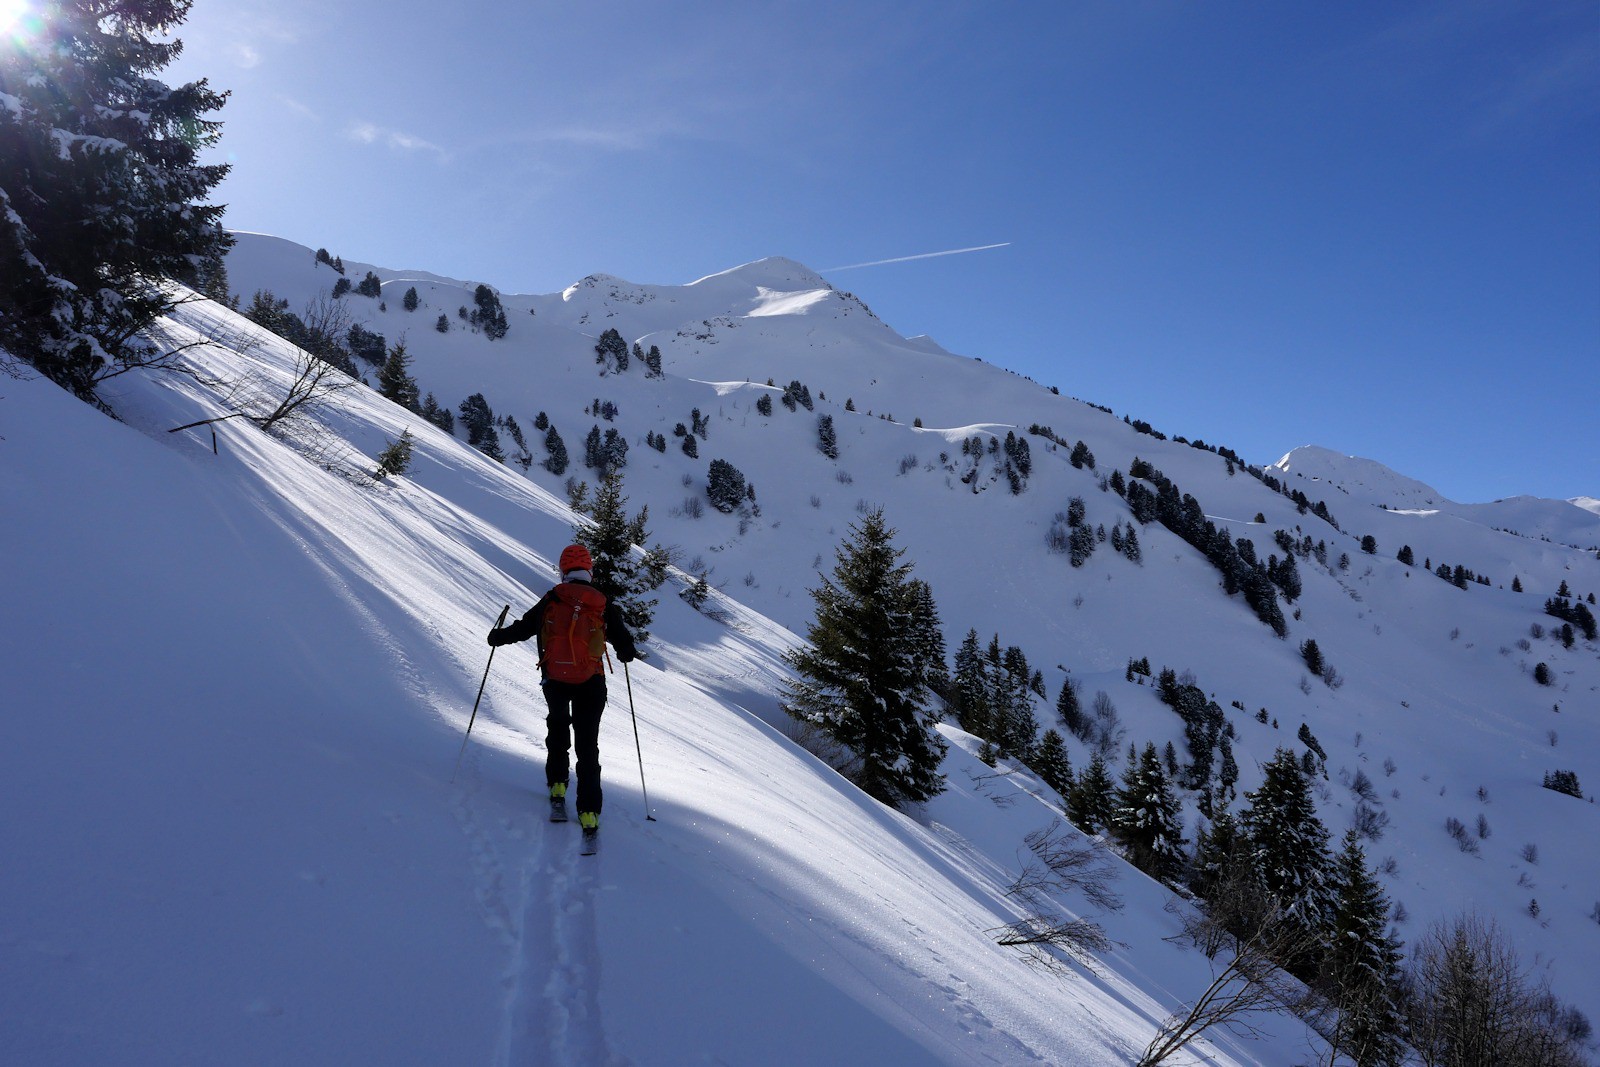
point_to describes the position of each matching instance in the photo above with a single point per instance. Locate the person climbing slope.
(572, 624)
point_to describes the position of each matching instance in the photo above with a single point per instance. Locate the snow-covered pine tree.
(478, 420)
(1089, 800)
(969, 688)
(725, 485)
(1289, 844)
(1070, 712)
(827, 439)
(395, 380)
(863, 676)
(1051, 763)
(1360, 971)
(611, 351)
(395, 458)
(101, 190)
(487, 313)
(928, 634)
(623, 570)
(556, 459)
(1018, 728)
(1145, 818)
(439, 416)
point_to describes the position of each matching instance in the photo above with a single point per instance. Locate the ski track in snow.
(552, 1009)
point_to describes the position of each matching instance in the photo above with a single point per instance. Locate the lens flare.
(12, 13)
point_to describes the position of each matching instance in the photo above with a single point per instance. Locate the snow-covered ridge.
(1370, 482)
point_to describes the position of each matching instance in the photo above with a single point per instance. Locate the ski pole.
(498, 623)
(632, 714)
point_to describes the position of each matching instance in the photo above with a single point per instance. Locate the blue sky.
(1373, 227)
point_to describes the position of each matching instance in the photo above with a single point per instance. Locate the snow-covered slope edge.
(237, 687)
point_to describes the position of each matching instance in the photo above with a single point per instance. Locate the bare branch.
(1249, 982)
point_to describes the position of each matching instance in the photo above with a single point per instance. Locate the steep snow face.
(1587, 503)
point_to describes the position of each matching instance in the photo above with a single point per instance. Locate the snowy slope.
(1437, 681)
(235, 709)
(255, 770)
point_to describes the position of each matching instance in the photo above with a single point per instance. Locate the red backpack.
(572, 642)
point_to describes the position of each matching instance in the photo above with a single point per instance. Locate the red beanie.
(576, 558)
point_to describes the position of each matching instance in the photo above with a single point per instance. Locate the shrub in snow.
(725, 486)
(1564, 782)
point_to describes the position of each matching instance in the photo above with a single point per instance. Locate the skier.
(572, 623)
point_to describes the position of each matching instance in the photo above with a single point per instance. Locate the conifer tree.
(396, 458)
(411, 299)
(725, 485)
(1069, 711)
(1145, 818)
(827, 439)
(1312, 655)
(1218, 852)
(1289, 844)
(1012, 684)
(1360, 972)
(863, 678)
(101, 190)
(612, 351)
(1051, 763)
(1089, 799)
(439, 416)
(1130, 545)
(556, 460)
(969, 689)
(928, 634)
(394, 378)
(477, 418)
(487, 314)
(624, 570)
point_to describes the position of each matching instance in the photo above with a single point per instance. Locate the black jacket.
(532, 623)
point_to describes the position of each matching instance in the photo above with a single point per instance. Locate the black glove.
(498, 637)
(626, 657)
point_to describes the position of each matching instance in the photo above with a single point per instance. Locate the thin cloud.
(371, 133)
(298, 108)
(924, 255)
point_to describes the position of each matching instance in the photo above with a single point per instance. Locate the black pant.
(574, 721)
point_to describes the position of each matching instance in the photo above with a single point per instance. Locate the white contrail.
(925, 255)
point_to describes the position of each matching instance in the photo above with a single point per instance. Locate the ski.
(558, 809)
(591, 843)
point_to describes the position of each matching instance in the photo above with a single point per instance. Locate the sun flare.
(11, 12)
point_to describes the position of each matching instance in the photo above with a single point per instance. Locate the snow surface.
(238, 683)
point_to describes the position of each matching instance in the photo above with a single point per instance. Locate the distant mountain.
(1570, 522)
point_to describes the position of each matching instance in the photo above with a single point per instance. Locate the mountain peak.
(1365, 479)
(775, 273)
